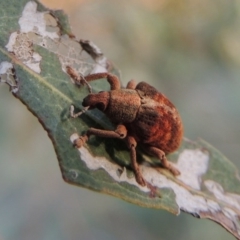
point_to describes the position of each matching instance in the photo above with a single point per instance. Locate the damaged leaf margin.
(42, 29)
(7, 75)
(38, 44)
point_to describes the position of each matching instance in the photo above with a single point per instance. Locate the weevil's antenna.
(75, 115)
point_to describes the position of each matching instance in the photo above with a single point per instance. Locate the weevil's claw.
(140, 179)
(78, 143)
(174, 170)
(153, 190)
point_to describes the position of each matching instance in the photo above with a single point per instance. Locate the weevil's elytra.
(142, 115)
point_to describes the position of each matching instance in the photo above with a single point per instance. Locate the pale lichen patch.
(11, 42)
(35, 21)
(185, 199)
(4, 67)
(230, 214)
(192, 164)
(71, 53)
(8, 76)
(34, 25)
(217, 190)
(21, 46)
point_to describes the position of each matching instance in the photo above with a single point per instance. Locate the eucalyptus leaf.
(36, 46)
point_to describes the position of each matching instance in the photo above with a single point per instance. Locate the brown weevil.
(142, 115)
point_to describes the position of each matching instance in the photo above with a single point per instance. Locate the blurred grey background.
(189, 50)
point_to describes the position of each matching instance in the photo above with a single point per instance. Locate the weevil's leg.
(120, 132)
(148, 90)
(161, 155)
(131, 84)
(132, 144)
(78, 80)
(112, 79)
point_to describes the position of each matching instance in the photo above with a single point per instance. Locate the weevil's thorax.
(123, 105)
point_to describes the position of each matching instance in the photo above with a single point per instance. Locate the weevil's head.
(97, 100)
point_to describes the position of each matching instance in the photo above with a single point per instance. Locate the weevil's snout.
(97, 100)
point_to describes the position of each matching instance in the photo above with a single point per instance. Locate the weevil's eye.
(101, 106)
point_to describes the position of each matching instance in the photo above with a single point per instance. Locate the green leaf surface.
(33, 63)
